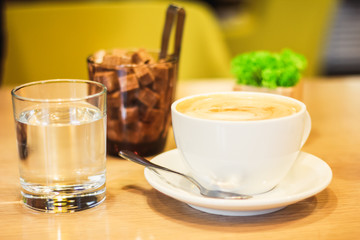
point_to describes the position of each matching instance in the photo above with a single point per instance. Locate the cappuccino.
(232, 107)
(228, 144)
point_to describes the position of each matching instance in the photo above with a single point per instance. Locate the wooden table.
(134, 210)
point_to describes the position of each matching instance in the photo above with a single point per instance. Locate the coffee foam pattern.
(231, 107)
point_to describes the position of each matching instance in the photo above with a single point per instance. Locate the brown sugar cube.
(118, 52)
(98, 56)
(111, 60)
(129, 115)
(148, 97)
(161, 70)
(109, 79)
(112, 112)
(152, 130)
(125, 58)
(113, 99)
(128, 82)
(161, 73)
(159, 85)
(146, 137)
(114, 130)
(133, 133)
(142, 56)
(144, 75)
(129, 98)
(124, 71)
(153, 115)
(142, 110)
(137, 58)
(143, 132)
(153, 124)
(166, 96)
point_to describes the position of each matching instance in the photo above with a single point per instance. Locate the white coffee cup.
(248, 156)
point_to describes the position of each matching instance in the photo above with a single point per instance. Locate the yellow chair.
(301, 25)
(53, 40)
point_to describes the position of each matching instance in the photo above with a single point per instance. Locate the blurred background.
(45, 39)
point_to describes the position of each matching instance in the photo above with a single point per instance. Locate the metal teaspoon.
(205, 192)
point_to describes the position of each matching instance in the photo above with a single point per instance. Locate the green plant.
(266, 69)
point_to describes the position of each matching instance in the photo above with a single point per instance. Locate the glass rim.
(29, 84)
(170, 58)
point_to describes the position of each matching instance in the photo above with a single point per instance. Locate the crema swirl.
(232, 107)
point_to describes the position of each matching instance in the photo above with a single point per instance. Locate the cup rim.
(302, 110)
(50, 81)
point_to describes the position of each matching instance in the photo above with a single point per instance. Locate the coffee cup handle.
(307, 128)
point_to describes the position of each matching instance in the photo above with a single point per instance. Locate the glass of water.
(61, 137)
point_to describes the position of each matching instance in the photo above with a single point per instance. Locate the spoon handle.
(170, 18)
(140, 160)
(173, 13)
(205, 192)
(143, 161)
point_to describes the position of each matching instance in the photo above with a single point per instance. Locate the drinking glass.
(61, 137)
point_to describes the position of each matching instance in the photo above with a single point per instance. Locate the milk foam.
(231, 107)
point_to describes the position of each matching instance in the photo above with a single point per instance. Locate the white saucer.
(309, 176)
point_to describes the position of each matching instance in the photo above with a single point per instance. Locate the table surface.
(134, 210)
